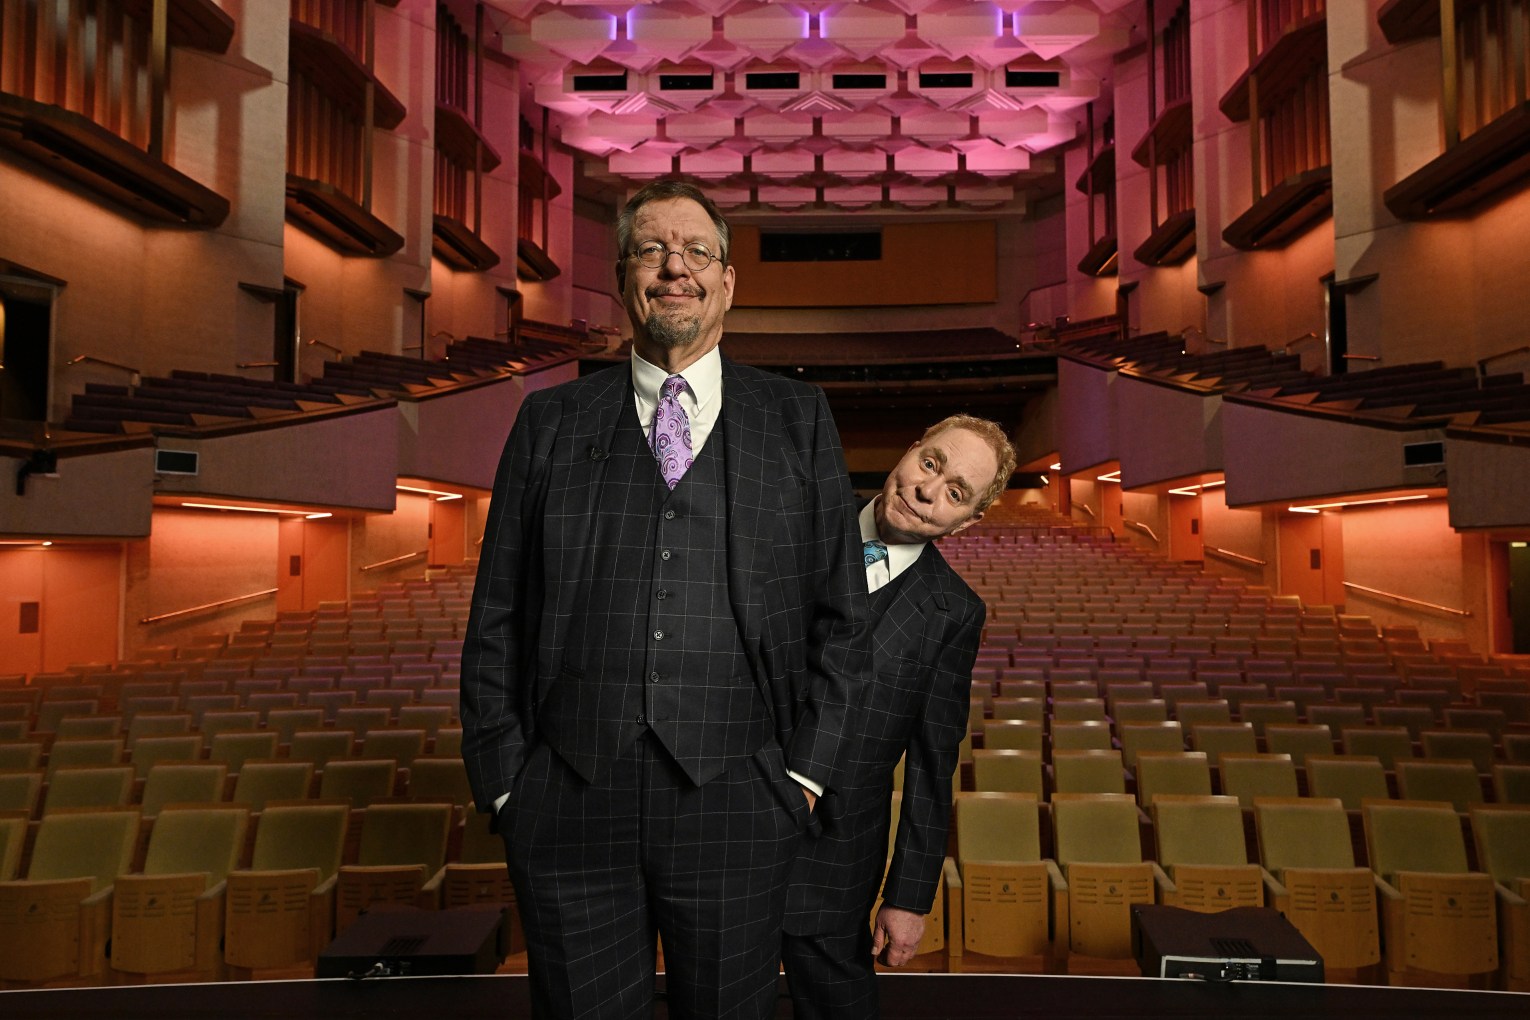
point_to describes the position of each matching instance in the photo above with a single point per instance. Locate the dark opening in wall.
(822, 246)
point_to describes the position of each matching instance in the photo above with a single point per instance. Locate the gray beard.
(672, 333)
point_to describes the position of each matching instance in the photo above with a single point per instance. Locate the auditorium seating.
(1103, 670)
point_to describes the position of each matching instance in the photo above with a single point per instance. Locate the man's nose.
(674, 265)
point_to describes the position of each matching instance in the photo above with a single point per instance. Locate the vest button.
(654, 677)
(640, 720)
(658, 635)
(663, 593)
(669, 515)
(664, 555)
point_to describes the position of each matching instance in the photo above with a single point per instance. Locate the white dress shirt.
(900, 556)
(701, 398)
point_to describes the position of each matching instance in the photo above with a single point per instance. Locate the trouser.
(831, 975)
(598, 869)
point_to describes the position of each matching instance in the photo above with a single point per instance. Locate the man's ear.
(964, 525)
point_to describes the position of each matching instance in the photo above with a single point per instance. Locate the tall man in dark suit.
(668, 630)
(925, 639)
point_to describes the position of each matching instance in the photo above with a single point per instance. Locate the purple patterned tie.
(671, 439)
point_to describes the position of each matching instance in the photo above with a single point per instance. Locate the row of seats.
(1055, 882)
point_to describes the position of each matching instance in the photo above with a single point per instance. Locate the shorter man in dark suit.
(925, 640)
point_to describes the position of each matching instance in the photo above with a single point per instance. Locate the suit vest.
(657, 646)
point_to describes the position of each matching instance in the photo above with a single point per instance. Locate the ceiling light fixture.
(255, 510)
(1191, 490)
(440, 495)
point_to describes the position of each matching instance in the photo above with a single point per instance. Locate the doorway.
(1519, 598)
(26, 343)
(285, 345)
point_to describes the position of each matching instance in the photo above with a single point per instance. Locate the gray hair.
(664, 190)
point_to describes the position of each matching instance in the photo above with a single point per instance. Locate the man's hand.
(896, 936)
(812, 799)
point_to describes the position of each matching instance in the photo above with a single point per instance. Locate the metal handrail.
(396, 559)
(1142, 528)
(1482, 363)
(1309, 335)
(1361, 357)
(207, 605)
(1086, 508)
(1410, 601)
(256, 364)
(321, 343)
(1228, 554)
(135, 373)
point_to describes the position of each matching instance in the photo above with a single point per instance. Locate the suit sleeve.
(496, 650)
(934, 747)
(837, 657)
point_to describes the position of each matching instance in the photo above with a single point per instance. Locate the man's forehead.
(681, 215)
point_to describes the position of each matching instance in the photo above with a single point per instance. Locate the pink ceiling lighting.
(818, 104)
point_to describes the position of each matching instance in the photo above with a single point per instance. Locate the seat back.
(1247, 776)
(301, 834)
(1413, 835)
(68, 754)
(1298, 740)
(183, 784)
(13, 837)
(92, 843)
(261, 782)
(1000, 771)
(1198, 830)
(1352, 778)
(1078, 709)
(321, 746)
(1511, 784)
(1456, 781)
(1474, 746)
(197, 838)
(1088, 771)
(1389, 744)
(1217, 739)
(151, 751)
(105, 786)
(403, 746)
(1501, 833)
(234, 749)
(157, 724)
(20, 790)
(993, 826)
(440, 778)
(406, 833)
(1200, 713)
(1139, 737)
(358, 780)
(998, 734)
(1085, 735)
(287, 721)
(1096, 828)
(1303, 832)
(1172, 772)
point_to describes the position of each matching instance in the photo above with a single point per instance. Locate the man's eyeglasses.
(697, 257)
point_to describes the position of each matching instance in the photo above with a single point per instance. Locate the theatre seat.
(1001, 888)
(1099, 849)
(1305, 847)
(1201, 848)
(169, 919)
(402, 852)
(1501, 834)
(1439, 918)
(54, 925)
(281, 911)
(999, 771)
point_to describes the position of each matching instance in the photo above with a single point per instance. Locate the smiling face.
(676, 312)
(934, 490)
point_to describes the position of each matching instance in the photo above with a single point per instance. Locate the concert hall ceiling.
(820, 106)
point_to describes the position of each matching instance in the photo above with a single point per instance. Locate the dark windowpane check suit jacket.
(924, 641)
(795, 577)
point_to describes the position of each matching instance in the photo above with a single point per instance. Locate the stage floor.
(913, 996)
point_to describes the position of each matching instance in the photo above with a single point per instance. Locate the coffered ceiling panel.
(820, 104)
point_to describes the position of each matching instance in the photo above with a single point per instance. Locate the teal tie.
(875, 551)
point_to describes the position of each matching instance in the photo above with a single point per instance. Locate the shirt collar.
(703, 377)
(900, 556)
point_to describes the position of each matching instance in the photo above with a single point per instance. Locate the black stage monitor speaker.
(1243, 944)
(404, 942)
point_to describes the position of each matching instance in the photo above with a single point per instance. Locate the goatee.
(672, 333)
